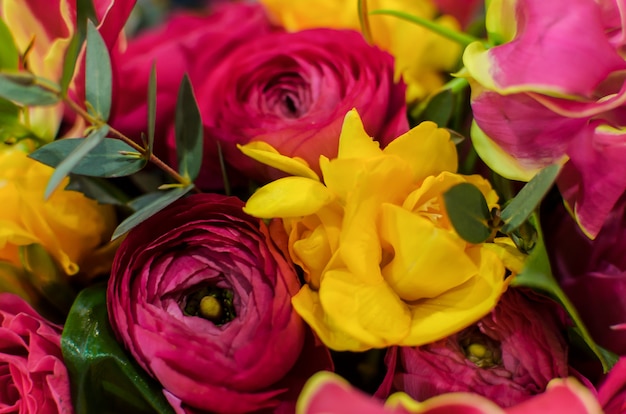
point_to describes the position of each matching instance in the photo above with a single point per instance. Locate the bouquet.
(285, 206)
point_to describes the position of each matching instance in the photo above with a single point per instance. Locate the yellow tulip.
(421, 56)
(69, 226)
(383, 265)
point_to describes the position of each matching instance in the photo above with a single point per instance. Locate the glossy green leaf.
(74, 158)
(537, 274)
(152, 87)
(98, 73)
(189, 132)
(529, 197)
(100, 189)
(167, 198)
(26, 89)
(109, 158)
(9, 55)
(468, 212)
(437, 109)
(103, 377)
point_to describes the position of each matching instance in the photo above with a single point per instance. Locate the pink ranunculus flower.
(592, 272)
(508, 356)
(201, 297)
(33, 377)
(552, 90)
(191, 42)
(292, 91)
(327, 393)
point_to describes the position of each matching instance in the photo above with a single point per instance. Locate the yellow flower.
(382, 263)
(69, 226)
(421, 56)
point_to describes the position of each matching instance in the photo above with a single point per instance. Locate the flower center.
(211, 303)
(483, 351)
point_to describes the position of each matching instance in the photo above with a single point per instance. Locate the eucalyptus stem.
(119, 135)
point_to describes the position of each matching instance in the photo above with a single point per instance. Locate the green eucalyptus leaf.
(9, 55)
(69, 64)
(109, 158)
(537, 274)
(151, 209)
(85, 11)
(529, 197)
(98, 73)
(27, 89)
(103, 377)
(152, 86)
(144, 200)
(74, 158)
(99, 189)
(189, 132)
(438, 109)
(468, 212)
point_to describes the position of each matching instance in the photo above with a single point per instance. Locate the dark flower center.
(483, 351)
(211, 303)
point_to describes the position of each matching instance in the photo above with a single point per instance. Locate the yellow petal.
(437, 318)
(288, 197)
(263, 152)
(417, 147)
(428, 261)
(354, 141)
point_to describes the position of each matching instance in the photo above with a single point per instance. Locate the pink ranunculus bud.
(292, 91)
(201, 297)
(33, 377)
(508, 356)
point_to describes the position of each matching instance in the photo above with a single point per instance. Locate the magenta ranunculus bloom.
(33, 377)
(552, 90)
(612, 391)
(188, 42)
(592, 272)
(508, 356)
(292, 91)
(201, 297)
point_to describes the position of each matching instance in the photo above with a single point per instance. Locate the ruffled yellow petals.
(441, 264)
(288, 197)
(433, 319)
(417, 146)
(264, 153)
(354, 141)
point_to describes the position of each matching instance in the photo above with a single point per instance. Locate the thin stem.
(143, 151)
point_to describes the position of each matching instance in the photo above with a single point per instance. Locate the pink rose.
(33, 377)
(292, 91)
(592, 272)
(508, 356)
(612, 391)
(188, 42)
(201, 298)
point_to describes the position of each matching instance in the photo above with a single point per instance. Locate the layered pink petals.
(33, 377)
(257, 360)
(509, 356)
(292, 90)
(612, 391)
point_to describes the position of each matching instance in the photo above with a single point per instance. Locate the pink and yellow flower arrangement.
(312, 207)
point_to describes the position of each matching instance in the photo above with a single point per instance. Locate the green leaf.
(537, 274)
(27, 89)
(69, 64)
(152, 86)
(529, 197)
(109, 158)
(85, 11)
(103, 377)
(468, 212)
(97, 73)
(74, 158)
(189, 132)
(144, 200)
(437, 109)
(9, 55)
(149, 210)
(99, 189)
